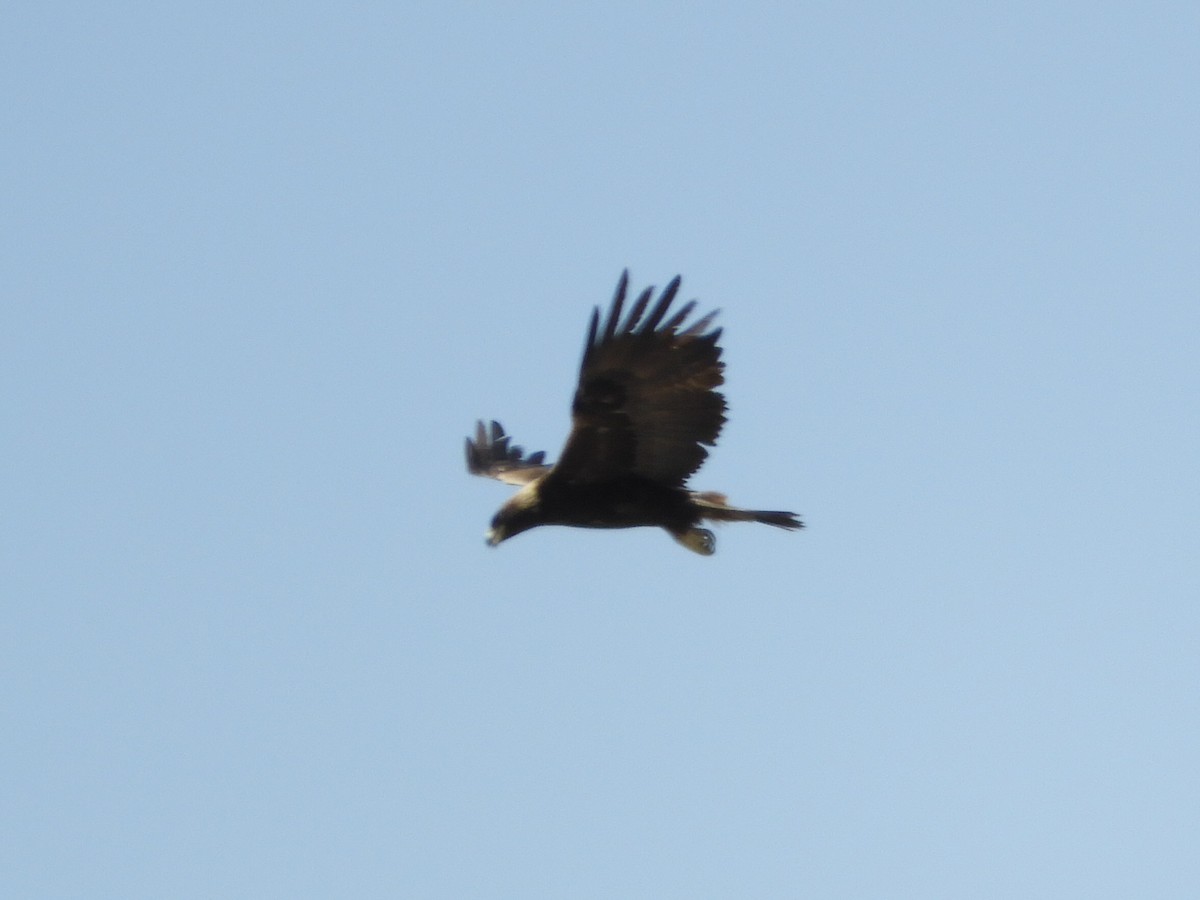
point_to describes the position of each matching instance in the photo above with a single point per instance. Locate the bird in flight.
(645, 409)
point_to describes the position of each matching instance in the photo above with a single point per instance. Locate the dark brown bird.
(644, 411)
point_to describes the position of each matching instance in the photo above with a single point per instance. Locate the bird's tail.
(715, 507)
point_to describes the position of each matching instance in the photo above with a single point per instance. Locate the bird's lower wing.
(492, 455)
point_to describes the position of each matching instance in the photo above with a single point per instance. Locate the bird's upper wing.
(646, 402)
(491, 454)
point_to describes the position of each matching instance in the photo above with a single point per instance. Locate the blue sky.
(265, 264)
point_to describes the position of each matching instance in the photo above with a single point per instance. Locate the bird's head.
(522, 512)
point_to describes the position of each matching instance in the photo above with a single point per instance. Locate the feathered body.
(645, 410)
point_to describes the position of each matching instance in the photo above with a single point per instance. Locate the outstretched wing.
(646, 402)
(492, 455)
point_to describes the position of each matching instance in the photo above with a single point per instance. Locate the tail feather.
(715, 507)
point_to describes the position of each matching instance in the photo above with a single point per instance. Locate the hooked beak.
(493, 537)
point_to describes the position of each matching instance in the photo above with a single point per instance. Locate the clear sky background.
(263, 265)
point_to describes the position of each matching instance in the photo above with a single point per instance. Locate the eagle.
(645, 409)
